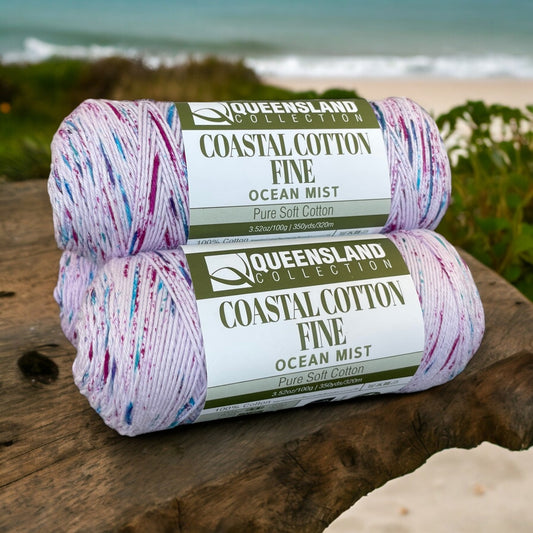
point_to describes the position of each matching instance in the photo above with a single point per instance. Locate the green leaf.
(512, 273)
(514, 200)
(523, 243)
(493, 224)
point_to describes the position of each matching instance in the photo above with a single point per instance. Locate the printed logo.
(229, 271)
(267, 268)
(212, 114)
(232, 113)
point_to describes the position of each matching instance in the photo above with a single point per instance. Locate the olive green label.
(284, 168)
(296, 321)
(265, 115)
(280, 266)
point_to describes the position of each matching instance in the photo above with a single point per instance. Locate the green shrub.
(491, 214)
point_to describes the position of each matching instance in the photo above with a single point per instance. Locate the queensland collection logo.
(235, 113)
(271, 269)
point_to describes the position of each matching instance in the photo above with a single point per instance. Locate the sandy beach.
(487, 489)
(435, 95)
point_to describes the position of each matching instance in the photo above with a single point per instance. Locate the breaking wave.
(301, 66)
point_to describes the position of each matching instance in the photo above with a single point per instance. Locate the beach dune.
(435, 95)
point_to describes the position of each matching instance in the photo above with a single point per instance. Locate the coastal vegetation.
(490, 146)
(491, 213)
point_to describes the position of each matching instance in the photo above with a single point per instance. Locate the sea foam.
(464, 66)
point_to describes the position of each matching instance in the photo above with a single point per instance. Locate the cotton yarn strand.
(418, 162)
(141, 362)
(118, 179)
(118, 183)
(75, 275)
(454, 320)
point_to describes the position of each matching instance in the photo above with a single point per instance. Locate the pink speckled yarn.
(75, 274)
(454, 320)
(118, 183)
(141, 362)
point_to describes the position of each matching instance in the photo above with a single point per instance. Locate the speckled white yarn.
(141, 362)
(118, 183)
(75, 274)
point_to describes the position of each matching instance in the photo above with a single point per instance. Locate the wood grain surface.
(62, 469)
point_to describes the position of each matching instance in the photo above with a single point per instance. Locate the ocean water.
(304, 38)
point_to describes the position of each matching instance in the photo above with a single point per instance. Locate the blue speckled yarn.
(118, 181)
(140, 357)
(75, 274)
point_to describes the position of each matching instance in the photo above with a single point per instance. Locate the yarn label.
(304, 321)
(258, 170)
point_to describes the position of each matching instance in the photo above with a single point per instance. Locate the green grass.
(491, 147)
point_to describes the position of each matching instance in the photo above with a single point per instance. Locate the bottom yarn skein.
(75, 275)
(140, 355)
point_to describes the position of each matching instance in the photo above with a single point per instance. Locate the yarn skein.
(140, 356)
(75, 275)
(118, 183)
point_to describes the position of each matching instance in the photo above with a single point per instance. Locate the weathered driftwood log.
(62, 469)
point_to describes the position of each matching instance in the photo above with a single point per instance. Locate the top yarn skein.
(118, 183)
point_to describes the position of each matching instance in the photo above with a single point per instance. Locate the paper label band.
(259, 170)
(299, 321)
